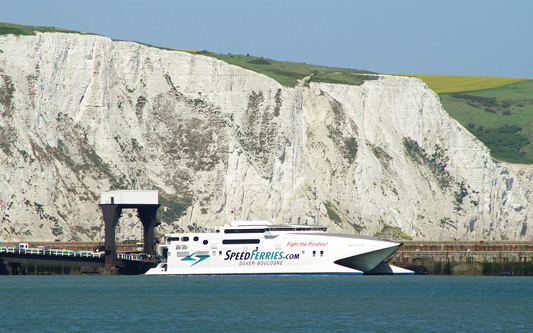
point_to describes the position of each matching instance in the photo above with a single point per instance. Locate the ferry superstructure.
(259, 247)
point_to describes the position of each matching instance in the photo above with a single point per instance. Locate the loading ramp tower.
(112, 203)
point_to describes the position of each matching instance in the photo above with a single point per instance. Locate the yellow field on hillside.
(459, 83)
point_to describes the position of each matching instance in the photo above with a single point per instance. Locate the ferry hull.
(159, 270)
(367, 261)
(386, 269)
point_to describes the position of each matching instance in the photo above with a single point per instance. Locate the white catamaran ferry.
(258, 247)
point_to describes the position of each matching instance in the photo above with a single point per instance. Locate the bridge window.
(244, 231)
(279, 228)
(240, 241)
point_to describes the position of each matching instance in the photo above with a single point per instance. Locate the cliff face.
(81, 115)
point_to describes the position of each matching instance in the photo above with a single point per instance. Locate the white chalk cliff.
(82, 114)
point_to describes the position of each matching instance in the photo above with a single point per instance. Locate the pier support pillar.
(111, 216)
(147, 217)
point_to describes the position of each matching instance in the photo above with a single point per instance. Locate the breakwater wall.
(468, 257)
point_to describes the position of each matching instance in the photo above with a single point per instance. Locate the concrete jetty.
(468, 257)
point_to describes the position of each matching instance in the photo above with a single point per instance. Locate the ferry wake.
(259, 247)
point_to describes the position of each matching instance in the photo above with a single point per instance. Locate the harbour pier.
(41, 260)
(467, 257)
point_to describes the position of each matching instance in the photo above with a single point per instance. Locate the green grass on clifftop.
(501, 118)
(18, 30)
(289, 73)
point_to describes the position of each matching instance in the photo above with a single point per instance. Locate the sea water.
(265, 303)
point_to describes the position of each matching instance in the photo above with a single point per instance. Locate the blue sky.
(464, 37)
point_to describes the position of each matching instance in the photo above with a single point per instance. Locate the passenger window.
(184, 239)
(205, 242)
(196, 238)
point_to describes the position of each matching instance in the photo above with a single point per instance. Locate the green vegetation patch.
(501, 118)
(289, 73)
(260, 62)
(435, 162)
(356, 227)
(381, 155)
(332, 213)
(393, 233)
(172, 208)
(447, 223)
(20, 30)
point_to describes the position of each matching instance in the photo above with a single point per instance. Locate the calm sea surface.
(265, 303)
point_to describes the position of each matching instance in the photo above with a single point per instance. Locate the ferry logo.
(198, 258)
(260, 255)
